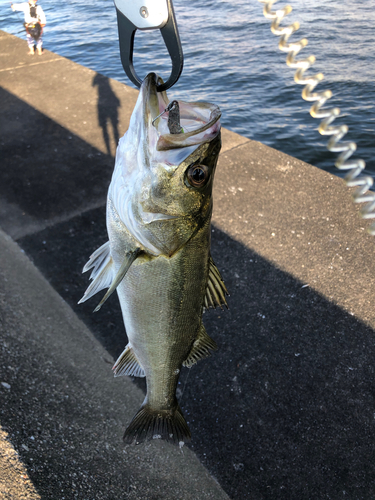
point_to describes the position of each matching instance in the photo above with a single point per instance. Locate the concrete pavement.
(284, 409)
(64, 412)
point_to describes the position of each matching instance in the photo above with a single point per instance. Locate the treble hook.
(148, 15)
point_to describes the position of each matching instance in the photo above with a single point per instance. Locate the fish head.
(162, 183)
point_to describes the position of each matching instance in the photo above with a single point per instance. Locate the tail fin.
(158, 424)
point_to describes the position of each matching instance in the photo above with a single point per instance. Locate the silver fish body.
(158, 255)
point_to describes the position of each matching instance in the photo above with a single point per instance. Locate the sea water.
(233, 60)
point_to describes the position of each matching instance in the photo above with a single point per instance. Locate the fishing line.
(346, 149)
(18, 15)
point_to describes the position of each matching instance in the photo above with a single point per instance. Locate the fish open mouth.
(178, 124)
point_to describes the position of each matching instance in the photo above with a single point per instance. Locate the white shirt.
(25, 8)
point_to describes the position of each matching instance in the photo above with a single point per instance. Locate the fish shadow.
(285, 407)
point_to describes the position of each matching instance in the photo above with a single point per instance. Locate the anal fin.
(127, 364)
(201, 349)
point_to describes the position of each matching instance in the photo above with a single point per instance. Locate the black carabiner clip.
(147, 15)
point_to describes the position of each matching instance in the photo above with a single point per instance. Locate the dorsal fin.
(101, 264)
(216, 289)
(201, 348)
(127, 364)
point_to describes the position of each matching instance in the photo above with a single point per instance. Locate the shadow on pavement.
(45, 169)
(284, 409)
(108, 104)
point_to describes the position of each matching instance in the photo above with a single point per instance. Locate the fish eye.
(197, 175)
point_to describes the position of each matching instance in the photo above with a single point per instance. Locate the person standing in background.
(35, 20)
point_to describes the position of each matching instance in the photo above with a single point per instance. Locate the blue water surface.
(233, 60)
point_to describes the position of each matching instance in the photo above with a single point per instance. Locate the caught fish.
(158, 255)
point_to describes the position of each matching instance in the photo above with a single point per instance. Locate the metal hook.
(170, 106)
(147, 15)
(173, 118)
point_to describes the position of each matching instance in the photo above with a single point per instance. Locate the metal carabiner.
(148, 15)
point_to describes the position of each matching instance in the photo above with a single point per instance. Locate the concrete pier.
(285, 408)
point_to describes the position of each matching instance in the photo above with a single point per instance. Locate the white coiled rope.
(352, 178)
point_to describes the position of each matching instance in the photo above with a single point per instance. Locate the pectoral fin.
(216, 289)
(127, 364)
(129, 258)
(102, 273)
(201, 348)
